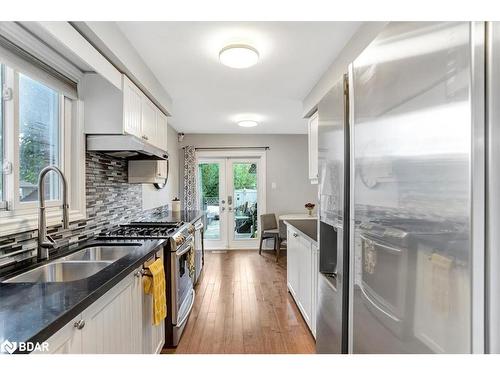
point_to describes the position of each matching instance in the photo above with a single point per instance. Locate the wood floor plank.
(242, 305)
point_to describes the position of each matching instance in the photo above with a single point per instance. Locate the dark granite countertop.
(167, 215)
(308, 228)
(32, 312)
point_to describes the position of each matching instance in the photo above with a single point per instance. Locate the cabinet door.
(162, 168)
(161, 130)
(113, 323)
(292, 262)
(68, 340)
(148, 120)
(153, 336)
(305, 278)
(313, 148)
(314, 281)
(132, 117)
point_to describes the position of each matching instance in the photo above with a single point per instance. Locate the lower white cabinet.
(302, 272)
(118, 322)
(153, 336)
(68, 340)
(113, 324)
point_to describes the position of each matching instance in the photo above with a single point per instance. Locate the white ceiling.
(209, 97)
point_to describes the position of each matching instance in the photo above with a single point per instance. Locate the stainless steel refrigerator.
(333, 197)
(417, 190)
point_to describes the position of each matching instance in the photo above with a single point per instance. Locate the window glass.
(38, 138)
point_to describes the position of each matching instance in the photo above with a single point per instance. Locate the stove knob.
(191, 229)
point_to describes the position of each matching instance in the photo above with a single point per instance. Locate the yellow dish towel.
(155, 284)
(191, 265)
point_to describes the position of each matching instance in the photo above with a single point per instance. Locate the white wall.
(287, 166)
(152, 197)
(360, 40)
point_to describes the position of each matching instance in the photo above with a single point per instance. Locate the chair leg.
(260, 246)
(277, 245)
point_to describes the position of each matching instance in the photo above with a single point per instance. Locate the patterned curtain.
(190, 180)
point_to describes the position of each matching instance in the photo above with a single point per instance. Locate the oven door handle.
(188, 312)
(182, 251)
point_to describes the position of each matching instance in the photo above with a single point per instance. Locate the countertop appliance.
(417, 190)
(180, 291)
(333, 223)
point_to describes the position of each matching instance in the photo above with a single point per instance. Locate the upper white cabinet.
(161, 130)
(132, 112)
(111, 111)
(149, 121)
(312, 131)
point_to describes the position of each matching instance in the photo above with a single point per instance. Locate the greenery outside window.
(40, 126)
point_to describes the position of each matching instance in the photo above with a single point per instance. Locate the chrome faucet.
(46, 242)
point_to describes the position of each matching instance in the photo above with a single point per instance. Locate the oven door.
(182, 283)
(384, 282)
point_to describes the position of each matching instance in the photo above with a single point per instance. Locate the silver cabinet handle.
(80, 324)
(139, 273)
(295, 235)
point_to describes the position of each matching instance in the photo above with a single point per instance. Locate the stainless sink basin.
(60, 272)
(101, 253)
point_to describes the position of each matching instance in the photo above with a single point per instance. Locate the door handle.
(229, 199)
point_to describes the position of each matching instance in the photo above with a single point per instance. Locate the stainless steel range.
(180, 245)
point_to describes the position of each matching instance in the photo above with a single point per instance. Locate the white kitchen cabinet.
(148, 121)
(153, 336)
(302, 273)
(314, 275)
(292, 267)
(312, 131)
(118, 322)
(305, 279)
(113, 324)
(147, 171)
(110, 111)
(132, 110)
(161, 130)
(68, 340)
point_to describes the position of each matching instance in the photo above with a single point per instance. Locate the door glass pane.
(209, 192)
(245, 200)
(38, 138)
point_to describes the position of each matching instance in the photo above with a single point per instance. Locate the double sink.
(79, 265)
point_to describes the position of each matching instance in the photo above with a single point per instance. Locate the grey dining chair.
(269, 229)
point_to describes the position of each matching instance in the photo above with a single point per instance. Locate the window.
(39, 127)
(39, 139)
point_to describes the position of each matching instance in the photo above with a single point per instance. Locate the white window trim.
(24, 216)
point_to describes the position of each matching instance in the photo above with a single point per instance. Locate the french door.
(232, 194)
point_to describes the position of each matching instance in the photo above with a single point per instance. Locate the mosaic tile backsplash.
(111, 200)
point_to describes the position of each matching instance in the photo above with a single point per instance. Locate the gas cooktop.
(144, 230)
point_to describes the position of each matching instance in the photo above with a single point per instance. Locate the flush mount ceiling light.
(248, 123)
(238, 56)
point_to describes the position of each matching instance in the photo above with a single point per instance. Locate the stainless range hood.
(125, 147)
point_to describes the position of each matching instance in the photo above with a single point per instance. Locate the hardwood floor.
(242, 306)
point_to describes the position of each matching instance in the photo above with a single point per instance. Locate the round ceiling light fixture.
(247, 123)
(238, 56)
